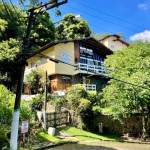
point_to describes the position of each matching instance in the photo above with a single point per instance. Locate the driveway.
(102, 145)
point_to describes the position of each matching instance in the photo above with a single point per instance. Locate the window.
(65, 57)
(112, 46)
(42, 60)
(90, 62)
(32, 64)
(83, 60)
(65, 79)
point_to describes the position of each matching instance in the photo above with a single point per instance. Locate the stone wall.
(131, 126)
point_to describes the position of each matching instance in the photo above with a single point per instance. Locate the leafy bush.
(36, 80)
(7, 104)
(87, 115)
(81, 103)
(74, 95)
(37, 102)
(57, 101)
(25, 110)
(3, 137)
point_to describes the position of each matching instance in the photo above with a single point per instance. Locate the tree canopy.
(72, 27)
(128, 90)
(13, 25)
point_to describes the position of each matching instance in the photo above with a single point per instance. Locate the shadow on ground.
(80, 147)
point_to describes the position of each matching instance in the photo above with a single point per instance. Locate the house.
(70, 62)
(114, 42)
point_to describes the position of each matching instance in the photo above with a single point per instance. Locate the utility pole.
(15, 121)
(45, 101)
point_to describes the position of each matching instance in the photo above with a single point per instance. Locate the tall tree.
(122, 99)
(72, 27)
(12, 30)
(13, 21)
(42, 32)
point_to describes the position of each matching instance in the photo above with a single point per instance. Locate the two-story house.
(114, 42)
(81, 61)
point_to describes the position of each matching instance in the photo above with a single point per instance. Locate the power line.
(57, 61)
(6, 9)
(12, 5)
(89, 24)
(102, 19)
(108, 14)
(100, 28)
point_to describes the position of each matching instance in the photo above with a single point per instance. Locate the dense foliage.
(37, 103)
(6, 101)
(6, 110)
(36, 81)
(13, 26)
(71, 27)
(130, 65)
(43, 31)
(81, 103)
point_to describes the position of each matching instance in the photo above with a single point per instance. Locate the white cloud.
(143, 6)
(141, 36)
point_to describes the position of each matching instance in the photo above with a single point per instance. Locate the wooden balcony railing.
(90, 69)
(90, 87)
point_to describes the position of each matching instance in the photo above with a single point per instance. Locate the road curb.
(51, 145)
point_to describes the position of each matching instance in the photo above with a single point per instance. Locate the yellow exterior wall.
(55, 52)
(113, 45)
(68, 49)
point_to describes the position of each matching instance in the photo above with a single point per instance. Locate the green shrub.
(37, 103)
(3, 137)
(25, 110)
(7, 104)
(56, 101)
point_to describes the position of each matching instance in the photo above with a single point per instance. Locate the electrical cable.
(12, 5)
(102, 18)
(6, 9)
(104, 75)
(101, 28)
(108, 14)
(60, 61)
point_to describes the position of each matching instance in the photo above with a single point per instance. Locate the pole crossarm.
(49, 5)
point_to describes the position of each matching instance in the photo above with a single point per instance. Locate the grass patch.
(43, 136)
(85, 135)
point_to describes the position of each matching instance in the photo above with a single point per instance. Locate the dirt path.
(101, 145)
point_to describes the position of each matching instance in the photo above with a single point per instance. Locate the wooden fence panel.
(55, 119)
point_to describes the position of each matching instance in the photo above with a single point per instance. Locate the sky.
(131, 18)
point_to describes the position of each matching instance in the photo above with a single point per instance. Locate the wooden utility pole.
(15, 121)
(45, 101)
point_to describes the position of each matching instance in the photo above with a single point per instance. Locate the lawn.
(85, 135)
(81, 135)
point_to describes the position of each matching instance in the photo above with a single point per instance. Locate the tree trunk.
(144, 126)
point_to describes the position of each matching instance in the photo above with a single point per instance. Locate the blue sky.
(129, 17)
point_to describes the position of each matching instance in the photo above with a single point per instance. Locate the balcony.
(90, 87)
(90, 69)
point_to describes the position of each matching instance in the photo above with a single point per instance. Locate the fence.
(55, 119)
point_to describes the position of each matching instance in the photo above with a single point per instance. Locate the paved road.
(101, 145)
